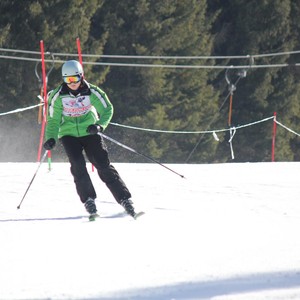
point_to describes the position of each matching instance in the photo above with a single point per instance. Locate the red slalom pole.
(45, 82)
(79, 51)
(45, 100)
(45, 106)
(274, 136)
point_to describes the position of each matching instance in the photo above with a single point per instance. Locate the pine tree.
(248, 28)
(161, 98)
(23, 24)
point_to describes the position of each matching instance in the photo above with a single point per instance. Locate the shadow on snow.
(117, 215)
(209, 289)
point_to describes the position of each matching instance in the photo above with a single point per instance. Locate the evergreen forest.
(184, 76)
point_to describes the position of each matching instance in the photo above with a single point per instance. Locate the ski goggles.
(72, 79)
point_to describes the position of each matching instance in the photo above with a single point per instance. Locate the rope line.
(20, 109)
(285, 127)
(191, 132)
(176, 66)
(172, 131)
(157, 56)
(168, 66)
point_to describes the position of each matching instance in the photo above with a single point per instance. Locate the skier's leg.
(82, 180)
(96, 151)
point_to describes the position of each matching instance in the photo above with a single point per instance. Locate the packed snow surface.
(224, 232)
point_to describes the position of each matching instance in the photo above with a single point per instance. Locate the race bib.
(76, 106)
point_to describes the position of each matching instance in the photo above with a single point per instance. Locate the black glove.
(49, 144)
(94, 129)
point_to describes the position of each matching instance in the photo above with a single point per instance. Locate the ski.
(137, 215)
(93, 217)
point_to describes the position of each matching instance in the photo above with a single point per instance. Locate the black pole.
(40, 163)
(141, 154)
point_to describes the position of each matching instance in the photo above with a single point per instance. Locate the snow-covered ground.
(227, 231)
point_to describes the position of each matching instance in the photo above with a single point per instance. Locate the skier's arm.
(55, 109)
(102, 105)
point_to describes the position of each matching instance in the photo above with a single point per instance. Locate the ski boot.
(127, 204)
(90, 207)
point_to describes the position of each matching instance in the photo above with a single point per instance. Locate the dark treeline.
(172, 99)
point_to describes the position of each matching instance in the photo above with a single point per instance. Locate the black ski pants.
(96, 152)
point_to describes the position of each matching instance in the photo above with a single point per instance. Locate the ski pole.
(141, 154)
(40, 163)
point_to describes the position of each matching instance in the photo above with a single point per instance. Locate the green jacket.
(71, 115)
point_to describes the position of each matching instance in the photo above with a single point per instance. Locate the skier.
(78, 111)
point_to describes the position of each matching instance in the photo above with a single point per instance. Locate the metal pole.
(274, 137)
(141, 154)
(40, 163)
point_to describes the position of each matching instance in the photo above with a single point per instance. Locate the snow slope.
(227, 231)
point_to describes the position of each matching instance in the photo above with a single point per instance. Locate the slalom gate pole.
(141, 154)
(45, 94)
(79, 50)
(40, 163)
(45, 102)
(40, 114)
(274, 137)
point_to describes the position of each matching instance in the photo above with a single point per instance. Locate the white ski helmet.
(71, 67)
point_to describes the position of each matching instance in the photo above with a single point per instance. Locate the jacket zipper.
(77, 127)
